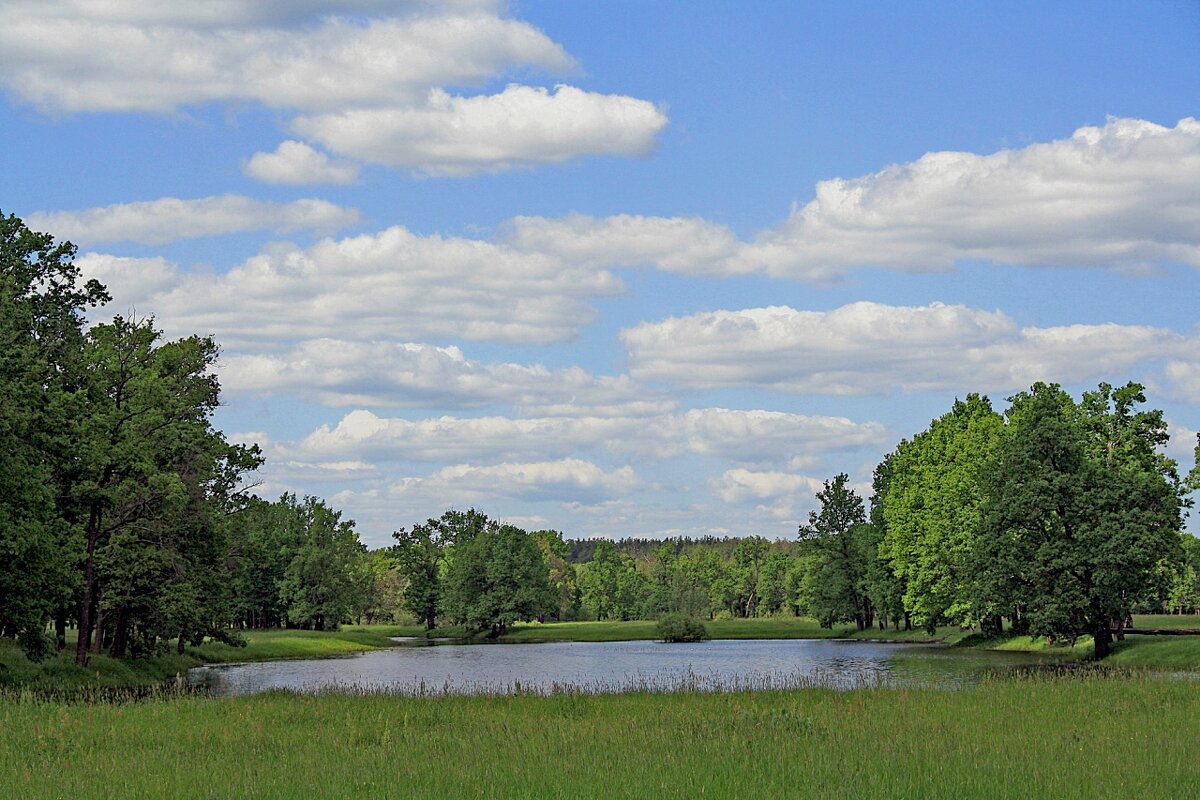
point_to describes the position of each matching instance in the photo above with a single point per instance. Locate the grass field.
(1085, 736)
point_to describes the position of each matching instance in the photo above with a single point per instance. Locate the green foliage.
(930, 510)
(564, 579)
(681, 628)
(499, 576)
(1080, 511)
(612, 586)
(833, 588)
(320, 588)
(41, 338)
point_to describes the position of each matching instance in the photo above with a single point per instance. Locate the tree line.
(1057, 518)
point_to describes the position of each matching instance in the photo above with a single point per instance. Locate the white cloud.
(1182, 376)
(128, 278)
(683, 244)
(390, 285)
(739, 485)
(364, 434)
(171, 219)
(562, 480)
(61, 60)
(296, 164)
(866, 348)
(368, 79)
(341, 373)
(747, 437)
(1182, 445)
(1125, 196)
(218, 13)
(462, 135)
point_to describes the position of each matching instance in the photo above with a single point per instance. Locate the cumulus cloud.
(128, 278)
(1182, 375)
(866, 348)
(714, 432)
(739, 485)
(367, 79)
(171, 219)
(61, 57)
(390, 285)
(339, 373)
(296, 164)
(562, 480)
(1124, 196)
(520, 126)
(681, 244)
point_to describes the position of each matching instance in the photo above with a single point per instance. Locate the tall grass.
(1087, 736)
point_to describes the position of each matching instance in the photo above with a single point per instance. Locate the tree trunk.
(89, 588)
(179, 646)
(907, 621)
(98, 641)
(120, 643)
(1103, 639)
(60, 629)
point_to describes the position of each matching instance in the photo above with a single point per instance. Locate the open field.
(1097, 736)
(1166, 621)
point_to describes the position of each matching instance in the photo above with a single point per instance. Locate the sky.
(620, 268)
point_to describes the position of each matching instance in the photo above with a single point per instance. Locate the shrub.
(681, 628)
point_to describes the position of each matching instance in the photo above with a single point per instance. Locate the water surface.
(617, 666)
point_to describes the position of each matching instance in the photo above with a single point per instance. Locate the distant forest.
(124, 515)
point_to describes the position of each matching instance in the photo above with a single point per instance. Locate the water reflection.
(619, 666)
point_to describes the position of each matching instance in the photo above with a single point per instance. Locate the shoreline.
(104, 673)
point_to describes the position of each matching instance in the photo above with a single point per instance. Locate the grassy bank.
(644, 630)
(103, 672)
(1096, 737)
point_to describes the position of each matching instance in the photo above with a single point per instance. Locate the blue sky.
(620, 268)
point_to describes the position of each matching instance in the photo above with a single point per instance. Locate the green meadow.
(1095, 735)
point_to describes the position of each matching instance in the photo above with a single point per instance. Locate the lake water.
(617, 666)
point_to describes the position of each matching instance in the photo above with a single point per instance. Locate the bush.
(681, 628)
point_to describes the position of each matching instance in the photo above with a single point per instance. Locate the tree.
(1068, 534)
(885, 587)
(563, 579)
(425, 551)
(598, 580)
(145, 450)
(748, 559)
(930, 511)
(834, 592)
(41, 339)
(498, 577)
(320, 588)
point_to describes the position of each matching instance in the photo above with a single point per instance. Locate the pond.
(420, 668)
